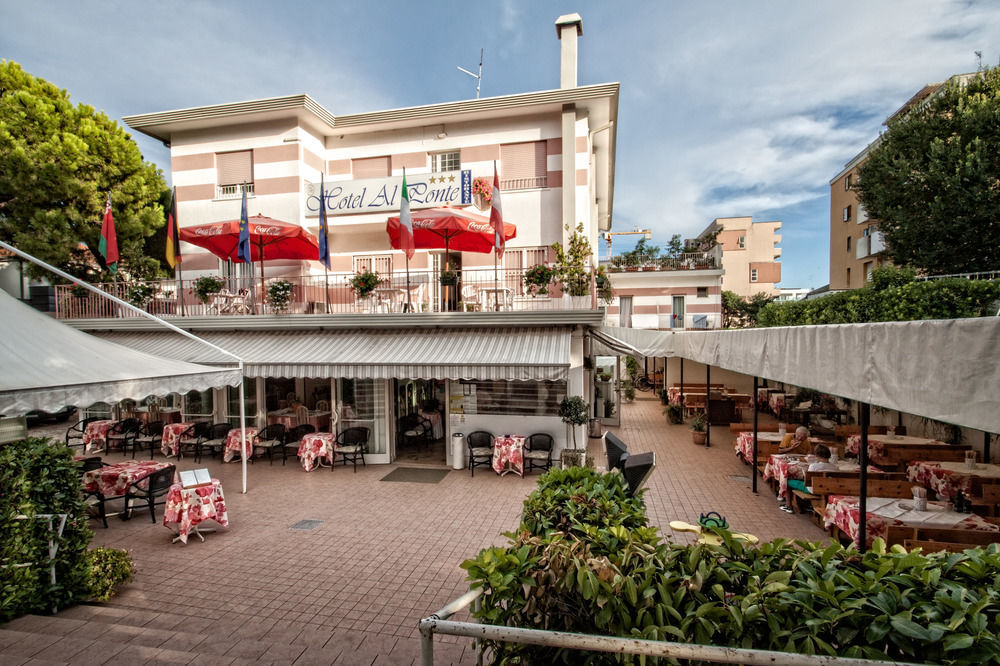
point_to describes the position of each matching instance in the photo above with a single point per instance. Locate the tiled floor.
(385, 554)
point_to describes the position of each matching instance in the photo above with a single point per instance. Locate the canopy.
(47, 365)
(451, 229)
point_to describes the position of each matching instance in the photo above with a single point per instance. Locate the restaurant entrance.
(419, 421)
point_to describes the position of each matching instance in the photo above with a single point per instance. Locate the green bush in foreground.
(108, 568)
(789, 596)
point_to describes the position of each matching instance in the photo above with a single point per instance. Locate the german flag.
(173, 242)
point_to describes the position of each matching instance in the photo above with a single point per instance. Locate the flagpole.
(324, 243)
(409, 306)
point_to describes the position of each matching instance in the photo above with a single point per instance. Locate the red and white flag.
(496, 215)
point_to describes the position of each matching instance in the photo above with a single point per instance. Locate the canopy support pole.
(865, 410)
(263, 292)
(986, 448)
(682, 384)
(753, 464)
(708, 401)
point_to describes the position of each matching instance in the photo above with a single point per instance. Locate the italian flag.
(405, 223)
(109, 240)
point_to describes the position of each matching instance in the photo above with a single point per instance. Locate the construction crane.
(609, 235)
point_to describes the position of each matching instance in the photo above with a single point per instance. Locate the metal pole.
(496, 288)
(865, 410)
(243, 428)
(708, 403)
(986, 448)
(409, 306)
(326, 287)
(682, 385)
(753, 475)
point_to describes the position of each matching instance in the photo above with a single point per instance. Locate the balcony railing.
(475, 291)
(683, 262)
(233, 191)
(524, 183)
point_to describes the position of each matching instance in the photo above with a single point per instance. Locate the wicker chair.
(352, 445)
(272, 440)
(123, 432)
(74, 433)
(214, 440)
(538, 452)
(159, 483)
(149, 435)
(414, 430)
(480, 445)
(192, 438)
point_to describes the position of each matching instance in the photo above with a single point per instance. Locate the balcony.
(233, 191)
(476, 291)
(869, 245)
(687, 261)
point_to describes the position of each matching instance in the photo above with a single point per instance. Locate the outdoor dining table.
(315, 446)
(674, 395)
(186, 508)
(843, 511)
(114, 480)
(170, 442)
(878, 445)
(491, 298)
(776, 401)
(947, 478)
(232, 448)
(95, 435)
(508, 454)
(744, 442)
(784, 466)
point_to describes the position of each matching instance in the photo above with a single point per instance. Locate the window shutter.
(234, 168)
(371, 167)
(522, 165)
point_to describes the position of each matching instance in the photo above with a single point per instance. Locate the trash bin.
(595, 428)
(457, 451)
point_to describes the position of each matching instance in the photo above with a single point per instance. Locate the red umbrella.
(444, 227)
(269, 238)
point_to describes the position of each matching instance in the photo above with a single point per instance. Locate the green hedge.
(39, 477)
(892, 296)
(789, 596)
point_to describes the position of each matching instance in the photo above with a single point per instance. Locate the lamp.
(442, 134)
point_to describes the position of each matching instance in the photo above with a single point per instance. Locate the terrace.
(685, 261)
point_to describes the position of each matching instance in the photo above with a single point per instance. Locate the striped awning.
(517, 354)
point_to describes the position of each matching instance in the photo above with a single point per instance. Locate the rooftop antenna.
(478, 77)
(979, 60)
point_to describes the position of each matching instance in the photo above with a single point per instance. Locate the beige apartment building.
(750, 254)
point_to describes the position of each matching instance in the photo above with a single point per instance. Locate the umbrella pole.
(260, 247)
(409, 306)
(496, 289)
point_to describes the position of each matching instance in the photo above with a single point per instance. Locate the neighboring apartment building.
(750, 254)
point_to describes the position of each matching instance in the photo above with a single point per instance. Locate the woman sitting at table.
(797, 441)
(819, 461)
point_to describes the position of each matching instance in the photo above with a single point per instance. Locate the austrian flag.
(496, 215)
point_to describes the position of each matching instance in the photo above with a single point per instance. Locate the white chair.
(470, 298)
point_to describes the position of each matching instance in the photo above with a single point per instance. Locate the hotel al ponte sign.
(378, 195)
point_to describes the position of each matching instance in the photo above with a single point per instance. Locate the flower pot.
(480, 201)
(698, 437)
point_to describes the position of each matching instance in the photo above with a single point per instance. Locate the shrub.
(38, 477)
(279, 293)
(207, 285)
(108, 568)
(364, 283)
(538, 278)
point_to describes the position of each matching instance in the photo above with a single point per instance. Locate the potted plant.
(609, 408)
(573, 411)
(572, 264)
(628, 390)
(663, 395)
(363, 283)
(279, 293)
(675, 414)
(449, 278)
(140, 294)
(538, 278)
(698, 427)
(482, 193)
(207, 285)
(604, 291)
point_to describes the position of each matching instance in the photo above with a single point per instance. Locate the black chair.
(87, 465)
(214, 440)
(295, 434)
(122, 433)
(192, 438)
(352, 445)
(159, 483)
(149, 435)
(538, 452)
(272, 440)
(414, 430)
(74, 433)
(480, 445)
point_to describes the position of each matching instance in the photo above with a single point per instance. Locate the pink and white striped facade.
(667, 299)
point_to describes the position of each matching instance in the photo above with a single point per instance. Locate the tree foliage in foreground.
(57, 164)
(933, 183)
(740, 312)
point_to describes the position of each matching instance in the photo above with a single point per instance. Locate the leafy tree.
(675, 246)
(57, 164)
(933, 182)
(573, 263)
(739, 312)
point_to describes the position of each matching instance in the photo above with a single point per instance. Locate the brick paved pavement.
(385, 554)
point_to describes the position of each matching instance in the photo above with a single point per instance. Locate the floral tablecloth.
(843, 511)
(762, 394)
(314, 446)
(776, 401)
(744, 443)
(233, 444)
(946, 478)
(95, 435)
(187, 507)
(508, 454)
(114, 480)
(674, 395)
(878, 445)
(782, 467)
(170, 444)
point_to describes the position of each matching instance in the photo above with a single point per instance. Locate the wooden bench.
(901, 455)
(939, 538)
(737, 428)
(845, 431)
(828, 484)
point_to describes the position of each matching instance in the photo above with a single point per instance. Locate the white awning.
(519, 354)
(46, 365)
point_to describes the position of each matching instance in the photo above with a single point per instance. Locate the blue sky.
(727, 108)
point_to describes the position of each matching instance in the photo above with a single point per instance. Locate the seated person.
(819, 461)
(797, 441)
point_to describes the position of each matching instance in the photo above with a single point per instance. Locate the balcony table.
(95, 435)
(508, 454)
(947, 478)
(232, 448)
(186, 508)
(503, 296)
(315, 446)
(170, 444)
(843, 511)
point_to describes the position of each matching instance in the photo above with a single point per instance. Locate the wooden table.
(947, 478)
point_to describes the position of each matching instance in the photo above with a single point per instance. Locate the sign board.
(382, 195)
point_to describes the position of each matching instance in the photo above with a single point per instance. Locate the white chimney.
(568, 28)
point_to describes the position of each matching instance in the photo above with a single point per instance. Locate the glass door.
(607, 394)
(677, 320)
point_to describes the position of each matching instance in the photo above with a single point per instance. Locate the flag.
(173, 242)
(243, 249)
(109, 239)
(496, 214)
(405, 223)
(324, 248)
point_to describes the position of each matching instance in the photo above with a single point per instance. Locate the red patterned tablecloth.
(95, 435)
(843, 511)
(744, 443)
(233, 444)
(762, 394)
(171, 441)
(508, 454)
(945, 478)
(776, 401)
(187, 507)
(674, 395)
(315, 446)
(114, 480)
(783, 467)
(877, 446)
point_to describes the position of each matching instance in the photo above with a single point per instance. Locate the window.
(869, 265)
(848, 243)
(847, 213)
(371, 167)
(381, 265)
(522, 165)
(702, 292)
(848, 283)
(234, 174)
(505, 397)
(741, 242)
(753, 274)
(233, 402)
(847, 182)
(446, 161)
